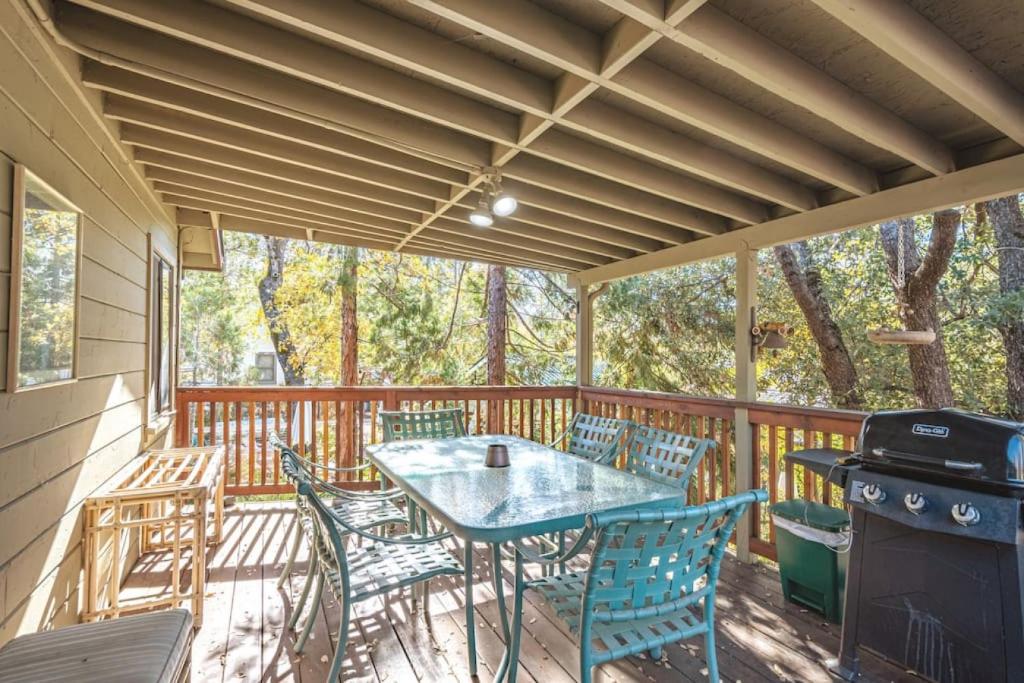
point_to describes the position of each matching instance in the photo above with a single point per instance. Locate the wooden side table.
(164, 494)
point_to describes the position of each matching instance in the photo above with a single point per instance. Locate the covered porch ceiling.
(636, 134)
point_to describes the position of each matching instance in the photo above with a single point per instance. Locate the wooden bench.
(146, 648)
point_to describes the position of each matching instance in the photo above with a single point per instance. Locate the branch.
(940, 249)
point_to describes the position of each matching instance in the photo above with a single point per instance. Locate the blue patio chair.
(363, 510)
(399, 425)
(651, 581)
(664, 456)
(448, 423)
(362, 573)
(596, 438)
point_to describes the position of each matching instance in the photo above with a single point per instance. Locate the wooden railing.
(333, 426)
(774, 430)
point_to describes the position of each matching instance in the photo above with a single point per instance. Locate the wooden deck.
(245, 638)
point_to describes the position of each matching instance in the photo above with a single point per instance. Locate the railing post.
(746, 388)
(584, 337)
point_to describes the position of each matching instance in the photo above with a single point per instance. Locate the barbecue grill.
(936, 573)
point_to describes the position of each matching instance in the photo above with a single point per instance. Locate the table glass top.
(542, 490)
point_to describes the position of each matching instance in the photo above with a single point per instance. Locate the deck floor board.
(761, 638)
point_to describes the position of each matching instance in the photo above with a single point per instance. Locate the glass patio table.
(542, 491)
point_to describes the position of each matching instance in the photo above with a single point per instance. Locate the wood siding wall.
(60, 443)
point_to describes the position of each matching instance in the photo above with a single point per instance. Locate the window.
(45, 258)
(162, 328)
(266, 368)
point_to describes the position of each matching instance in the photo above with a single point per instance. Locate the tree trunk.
(1008, 224)
(348, 280)
(279, 334)
(804, 280)
(497, 324)
(497, 336)
(929, 367)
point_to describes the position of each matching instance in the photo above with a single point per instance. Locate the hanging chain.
(901, 259)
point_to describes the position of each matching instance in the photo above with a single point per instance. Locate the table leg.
(499, 593)
(470, 622)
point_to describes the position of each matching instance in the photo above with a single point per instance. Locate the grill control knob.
(874, 494)
(966, 514)
(915, 503)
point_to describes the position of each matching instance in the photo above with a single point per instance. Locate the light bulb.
(504, 204)
(481, 215)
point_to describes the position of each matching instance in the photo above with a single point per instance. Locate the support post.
(584, 336)
(746, 388)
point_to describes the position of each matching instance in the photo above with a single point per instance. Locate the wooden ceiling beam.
(156, 118)
(174, 183)
(627, 221)
(426, 247)
(151, 95)
(370, 31)
(212, 201)
(589, 64)
(529, 214)
(537, 206)
(197, 68)
(536, 171)
(668, 93)
(639, 136)
(647, 83)
(720, 38)
(243, 38)
(174, 168)
(245, 161)
(921, 46)
(186, 171)
(452, 232)
(513, 225)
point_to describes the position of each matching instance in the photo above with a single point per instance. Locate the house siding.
(58, 444)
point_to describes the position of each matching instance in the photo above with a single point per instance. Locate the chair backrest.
(664, 456)
(326, 533)
(597, 438)
(423, 424)
(651, 562)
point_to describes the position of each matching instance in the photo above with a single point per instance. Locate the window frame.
(158, 260)
(20, 185)
(272, 367)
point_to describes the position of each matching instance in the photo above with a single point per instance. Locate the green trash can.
(811, 540)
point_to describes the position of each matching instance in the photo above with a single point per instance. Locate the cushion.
(147, 648)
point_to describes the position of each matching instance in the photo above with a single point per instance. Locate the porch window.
(161, 358)
(46, 257)
(266, 368)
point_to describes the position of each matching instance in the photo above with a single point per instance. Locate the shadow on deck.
(245, 638)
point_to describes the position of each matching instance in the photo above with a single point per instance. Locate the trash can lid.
(811, 514)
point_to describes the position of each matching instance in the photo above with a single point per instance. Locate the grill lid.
(948, 442)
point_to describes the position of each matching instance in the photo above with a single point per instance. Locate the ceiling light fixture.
(494, 200)
(503, 203)
(481, 215)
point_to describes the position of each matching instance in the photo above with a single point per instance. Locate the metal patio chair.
(598, 439)
(664, 456)
(363, 510)
(651, 581)
(362, 573)
(401, 425)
